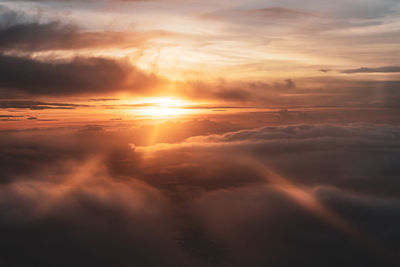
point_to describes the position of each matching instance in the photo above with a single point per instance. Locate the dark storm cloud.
(78, 76)
(388, 69)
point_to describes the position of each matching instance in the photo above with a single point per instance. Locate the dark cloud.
(103, 99)
(312, 92)
(265, 228)
(77, 76)
(33, 36)
(96, 221)
(9, 119)
(238, 91)
(21, 34)
(290, 83)
(10, 17)
(388, 69)
(325, 70)
(10, 116)
(36, 105)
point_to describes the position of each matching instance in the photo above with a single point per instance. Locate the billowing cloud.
(279, 147)
(203, 202)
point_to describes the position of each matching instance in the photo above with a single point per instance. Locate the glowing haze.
(199, 133)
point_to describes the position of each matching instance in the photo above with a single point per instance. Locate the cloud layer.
(242, 198)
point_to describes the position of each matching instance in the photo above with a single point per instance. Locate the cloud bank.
(208, 201)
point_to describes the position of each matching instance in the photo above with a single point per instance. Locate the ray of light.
(308, 201)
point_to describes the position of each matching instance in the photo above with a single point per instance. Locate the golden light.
(162, 111)
(166, 101)
(163, 107)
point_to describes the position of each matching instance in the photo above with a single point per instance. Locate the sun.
(163, 107)
(162, 111)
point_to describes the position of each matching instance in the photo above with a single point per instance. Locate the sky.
(199, 133)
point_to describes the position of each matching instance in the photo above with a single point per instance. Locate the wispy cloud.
(387, 69)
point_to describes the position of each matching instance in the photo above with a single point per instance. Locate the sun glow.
(162, 111)
(163, 107)
(166, 102)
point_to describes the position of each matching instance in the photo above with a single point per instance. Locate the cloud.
(36, 105)
(325, 70)
(204, 201)
(290, 83)
(277, 13)
(10, 116)
(302, 92)
(264, 227)
(269, 13)
(87, 213)
(103, 99)
(236, 91)
(201, 202)
(326, 163)
(250, 219)
(77, 76)
(388, 69)
(34, 36)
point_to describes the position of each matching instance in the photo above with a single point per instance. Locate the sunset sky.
(199, 133)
